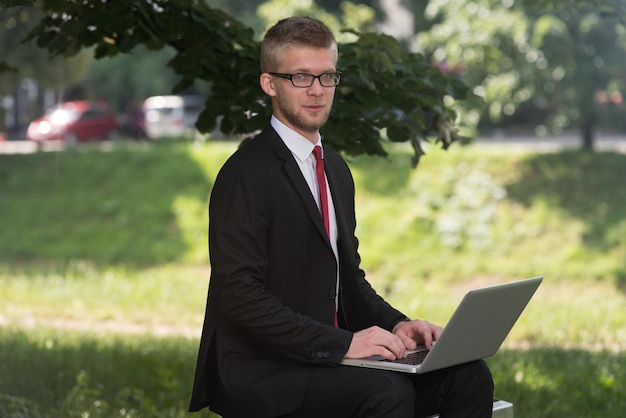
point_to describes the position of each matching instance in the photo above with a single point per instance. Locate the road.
(608, 142)
(27, 147)
(603, 142)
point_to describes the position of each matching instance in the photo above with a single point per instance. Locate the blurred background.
(539, 67)
(104, 265)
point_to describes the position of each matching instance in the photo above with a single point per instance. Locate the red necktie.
(321, 181)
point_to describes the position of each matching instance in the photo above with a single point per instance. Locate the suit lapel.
(297, 179)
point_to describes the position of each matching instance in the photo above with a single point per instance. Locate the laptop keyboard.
(414, 358)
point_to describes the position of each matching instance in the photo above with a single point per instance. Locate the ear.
(267, 84)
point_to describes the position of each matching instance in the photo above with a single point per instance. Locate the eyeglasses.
(304, 80)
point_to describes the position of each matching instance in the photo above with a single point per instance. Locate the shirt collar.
(299, 146)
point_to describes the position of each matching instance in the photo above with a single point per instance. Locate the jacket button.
(332, 294)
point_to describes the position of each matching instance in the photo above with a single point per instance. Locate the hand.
(416, 332)
(376, 341)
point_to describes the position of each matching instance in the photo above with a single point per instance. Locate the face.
(305, 110)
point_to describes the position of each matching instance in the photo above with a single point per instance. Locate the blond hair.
(293, 31)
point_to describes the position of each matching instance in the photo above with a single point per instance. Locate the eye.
(300, 77)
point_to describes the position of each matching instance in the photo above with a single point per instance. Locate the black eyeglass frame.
(336, 79)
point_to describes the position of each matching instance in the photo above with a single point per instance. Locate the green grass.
(52, 373)
(104, 269)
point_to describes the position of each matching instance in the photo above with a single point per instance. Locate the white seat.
(502, 409)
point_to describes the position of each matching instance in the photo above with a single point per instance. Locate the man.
(287, 299)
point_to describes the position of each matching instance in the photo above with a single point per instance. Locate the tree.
(554, 55)
(387, 88)
(588, 47)
(37, 73)
(122, 78)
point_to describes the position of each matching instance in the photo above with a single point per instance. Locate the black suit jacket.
(270, 308)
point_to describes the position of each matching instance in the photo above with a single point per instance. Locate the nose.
(316, 88)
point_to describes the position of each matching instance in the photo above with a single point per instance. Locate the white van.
(172, 116)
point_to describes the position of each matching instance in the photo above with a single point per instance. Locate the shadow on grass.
(106, 207)
(588, 186)
(57, 374)
(553, 382)
(53, 373)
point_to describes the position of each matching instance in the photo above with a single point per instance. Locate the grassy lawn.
(104, 269)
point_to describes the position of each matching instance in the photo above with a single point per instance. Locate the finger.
(381, 342)
(396, 346)
(400, 347)
(383, 350)
(408, 342)
(435, 333)
(427, 336)
(438, 331)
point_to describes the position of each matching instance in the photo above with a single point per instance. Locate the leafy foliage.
(22, 61)
(15, 3)
(383, 80)
(388, 87)
(543, 59)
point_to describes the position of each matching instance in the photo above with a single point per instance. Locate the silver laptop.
(476, 330)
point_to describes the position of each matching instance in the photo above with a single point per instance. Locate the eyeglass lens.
(306, 80)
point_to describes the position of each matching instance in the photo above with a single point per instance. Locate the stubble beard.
(298, 121)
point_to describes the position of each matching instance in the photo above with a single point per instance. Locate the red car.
(74, 122)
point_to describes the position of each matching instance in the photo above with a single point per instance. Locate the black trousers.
(464, 391)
